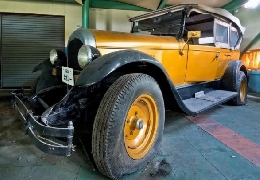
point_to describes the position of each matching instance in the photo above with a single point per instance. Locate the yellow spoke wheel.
(141, 126)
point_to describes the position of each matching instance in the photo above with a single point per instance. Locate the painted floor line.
(243, 146)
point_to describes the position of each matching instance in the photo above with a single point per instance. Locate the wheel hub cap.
(139, 124)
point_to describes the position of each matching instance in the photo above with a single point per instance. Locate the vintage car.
(182, 58)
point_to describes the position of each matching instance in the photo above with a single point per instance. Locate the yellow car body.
(197, 64)
(184, 57)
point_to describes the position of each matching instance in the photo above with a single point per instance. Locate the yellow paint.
(194, 34)
(202, 63)
(155, 54)
(225, 56)
(138, 141)
(114, 40)
(243, 90)
(163, 48)
(196, 63)
(175, 65)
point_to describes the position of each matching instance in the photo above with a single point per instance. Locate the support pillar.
(85, 13)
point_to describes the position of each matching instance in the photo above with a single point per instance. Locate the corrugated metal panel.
(27, 40)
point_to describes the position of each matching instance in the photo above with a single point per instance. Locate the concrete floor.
(188, 151)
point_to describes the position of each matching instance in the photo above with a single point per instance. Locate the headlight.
(87, 54)
(84, 56)
(53, 56)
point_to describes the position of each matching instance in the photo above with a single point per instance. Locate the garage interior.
(222, 143)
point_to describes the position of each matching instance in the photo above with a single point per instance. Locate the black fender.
(38, 67)
(47, 79)
(105, 65)
(230, 77)
(51, 74)
(46, 64)
(101, 67)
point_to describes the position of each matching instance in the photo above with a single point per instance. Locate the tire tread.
(105, 120)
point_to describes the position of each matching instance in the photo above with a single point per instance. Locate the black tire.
(241, 89)
(108, 140)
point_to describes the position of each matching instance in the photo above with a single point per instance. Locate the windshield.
(166, 24)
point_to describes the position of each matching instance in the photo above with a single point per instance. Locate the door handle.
(217, 56)
(228, 55)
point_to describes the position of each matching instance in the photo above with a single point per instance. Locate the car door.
(207, 62)
(202, 63)
(226, 37)
(202, 56)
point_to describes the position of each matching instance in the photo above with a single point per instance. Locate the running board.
(202, 101)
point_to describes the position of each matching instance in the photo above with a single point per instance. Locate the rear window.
(221, 33)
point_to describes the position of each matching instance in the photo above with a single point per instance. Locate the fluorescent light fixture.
(252, 4)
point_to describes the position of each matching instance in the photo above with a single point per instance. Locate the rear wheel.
(241, 89)
(128, 126)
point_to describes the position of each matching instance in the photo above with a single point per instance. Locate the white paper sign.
(67, 75)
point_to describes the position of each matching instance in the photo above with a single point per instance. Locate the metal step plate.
(205, 101)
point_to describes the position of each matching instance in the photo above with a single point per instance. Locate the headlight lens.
(53, 56)
(84, 56)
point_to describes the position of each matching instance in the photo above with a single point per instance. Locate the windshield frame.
(178, 34)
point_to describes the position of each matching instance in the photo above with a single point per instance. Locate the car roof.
(191, 7)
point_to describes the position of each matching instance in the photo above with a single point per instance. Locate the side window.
(233, 37)
(221, 34)
(203, 23)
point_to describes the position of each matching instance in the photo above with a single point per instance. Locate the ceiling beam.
(162, 4)
(234, 4)
(253, 42)
(104, 4)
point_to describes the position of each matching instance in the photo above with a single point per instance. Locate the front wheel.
(128, 127)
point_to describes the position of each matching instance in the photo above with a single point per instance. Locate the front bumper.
(37, 130)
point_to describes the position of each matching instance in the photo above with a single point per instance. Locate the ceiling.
(154, 4)
(147, 5)
(211, 3)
